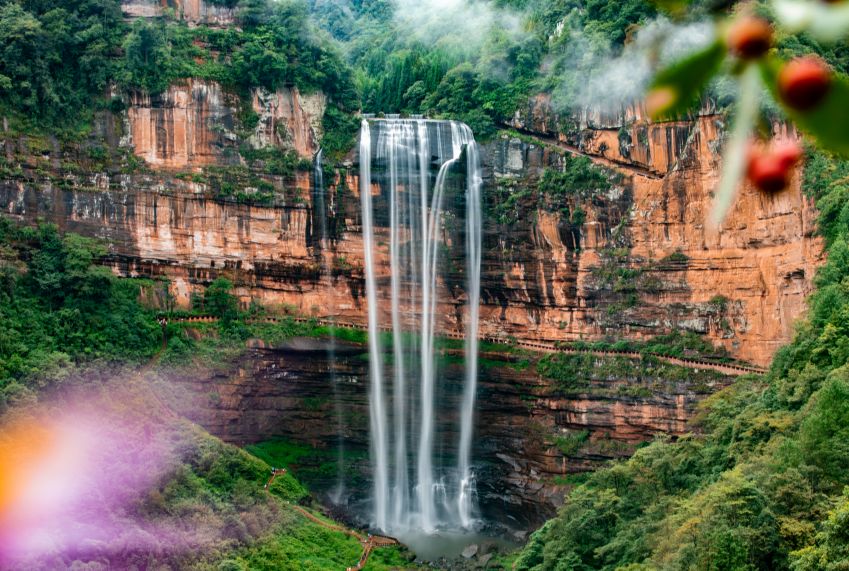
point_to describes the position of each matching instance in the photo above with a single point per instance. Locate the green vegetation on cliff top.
(480, 76)
(59, 61)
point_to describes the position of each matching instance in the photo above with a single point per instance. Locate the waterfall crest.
(411, 169)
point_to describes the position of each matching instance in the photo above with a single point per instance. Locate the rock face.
(532, 431)
(639, 260)
(193, 124)
(632, 260)
(289, 120)
(189, 125)
(193, 11)
(742, 284)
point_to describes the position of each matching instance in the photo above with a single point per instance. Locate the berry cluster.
(803, 83)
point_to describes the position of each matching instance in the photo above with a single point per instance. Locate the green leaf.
(734, 153)
(672, 7)
(688, 77)
(828, 122)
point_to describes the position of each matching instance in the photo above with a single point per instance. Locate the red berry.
(750, 37)
(804, 82)
(767, 173)
(788, 153)
(769, 170)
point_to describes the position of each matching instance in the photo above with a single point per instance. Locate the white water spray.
(473, 269)
(379, 438)
(321, 214)
(405, 156)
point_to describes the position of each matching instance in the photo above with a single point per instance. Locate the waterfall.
(321, 213)
(473, 271)
(415, 165)
(377, 416)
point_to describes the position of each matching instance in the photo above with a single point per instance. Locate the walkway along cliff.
(637, 262)
(177, 194)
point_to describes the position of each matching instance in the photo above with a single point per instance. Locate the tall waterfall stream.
(416, 164)
(323, 210)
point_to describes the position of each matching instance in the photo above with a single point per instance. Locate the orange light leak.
(42, 467)
(24, 445)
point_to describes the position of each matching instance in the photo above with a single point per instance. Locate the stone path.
(620, 166)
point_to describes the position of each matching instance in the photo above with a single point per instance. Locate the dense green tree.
(148, 57)
(54, 56)
(831, 550)
(219, 301)
(752, 487)
(824, 433)
(58, 305)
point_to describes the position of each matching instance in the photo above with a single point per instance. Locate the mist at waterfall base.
(421, 180)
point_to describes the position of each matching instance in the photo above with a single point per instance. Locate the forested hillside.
(381, 56)
(759, 482)
(58, 59)
(407, 60)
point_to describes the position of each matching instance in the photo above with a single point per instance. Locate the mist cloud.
(610, 81)
(462, 24)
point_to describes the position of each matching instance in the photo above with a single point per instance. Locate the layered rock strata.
(194, 124)
(533, 432)
(639, 261)
(194, 12)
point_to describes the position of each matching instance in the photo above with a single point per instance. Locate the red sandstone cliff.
(543, 278)
(193, 124)
(193, 11)
(742, 284)
(641, 262)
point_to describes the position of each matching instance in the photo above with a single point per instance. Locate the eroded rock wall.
(645, 261)
(190, 125)
(743, 284)
(639, 262)
(288, 120)
(195, 124)
(193, 11)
